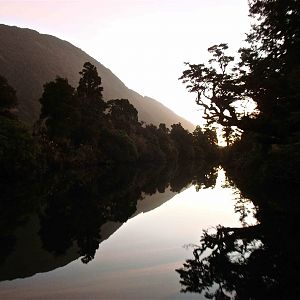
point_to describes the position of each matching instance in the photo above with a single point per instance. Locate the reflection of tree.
(254, 262)
(217, 264)
(203, 175)
(78, 206)
(207, 179)
(72, 205)
(17, 201)
(79, 203)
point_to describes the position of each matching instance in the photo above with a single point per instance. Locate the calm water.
(137, 256)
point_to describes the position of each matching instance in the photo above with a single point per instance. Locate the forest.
(77, 128)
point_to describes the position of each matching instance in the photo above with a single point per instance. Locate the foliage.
(183, 141)
(73, 117)
(89, 86)
(19, 154)
(59, 109)
(218, 88)
(117, 146)
(166, 143)
(151, 151)
(77, 126)
(272, 80)
(123, 115)
(91, 104)
(205, 143)
(268, 74)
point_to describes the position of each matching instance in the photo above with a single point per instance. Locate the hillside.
(28, 59)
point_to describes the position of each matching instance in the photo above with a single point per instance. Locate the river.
(135, 258)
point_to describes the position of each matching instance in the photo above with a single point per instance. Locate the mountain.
(28, 59)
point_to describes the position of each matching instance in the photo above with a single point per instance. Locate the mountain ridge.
(23, 63)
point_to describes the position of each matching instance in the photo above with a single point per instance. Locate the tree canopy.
(78, 125)
(59, 108)
(267, 74)
(217, 86)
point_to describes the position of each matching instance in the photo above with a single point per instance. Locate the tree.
(89, 83)
(205, 143)
(276, 30)
(59, 109)
(273, 65)
(151, 151)
(163, 128)
(167, 145)
(183, 141)
(116, 146)
(123, 115)
(268, 74)
(92, 106)
(8, 98)
(230, 134)
(18, 152)
(211, 135)
(218, 89)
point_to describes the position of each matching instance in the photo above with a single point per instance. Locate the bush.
(117, 146)
(19, 154)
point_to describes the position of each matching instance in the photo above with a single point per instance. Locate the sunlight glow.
(143, 42)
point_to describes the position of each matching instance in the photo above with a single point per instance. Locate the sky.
(143, 42)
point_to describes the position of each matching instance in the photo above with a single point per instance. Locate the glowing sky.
(143, 42)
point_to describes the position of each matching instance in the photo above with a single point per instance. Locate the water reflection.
(254, 261)
(68, 214)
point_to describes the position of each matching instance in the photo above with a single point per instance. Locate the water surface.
(136, 259)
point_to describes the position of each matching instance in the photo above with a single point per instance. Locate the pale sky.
(143, 42)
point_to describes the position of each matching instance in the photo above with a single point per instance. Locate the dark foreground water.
(86, 242)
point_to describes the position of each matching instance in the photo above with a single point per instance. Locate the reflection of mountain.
(30, 258)
(29, 59)
(150, 202)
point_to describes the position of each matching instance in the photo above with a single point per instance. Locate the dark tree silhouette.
(183, 141)
(218, 88)
(59, 109)
(267, 74)
(205, 143)
(89, 83)
(78, 127)
(273, 65)
(123, 115)
(92, 106)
